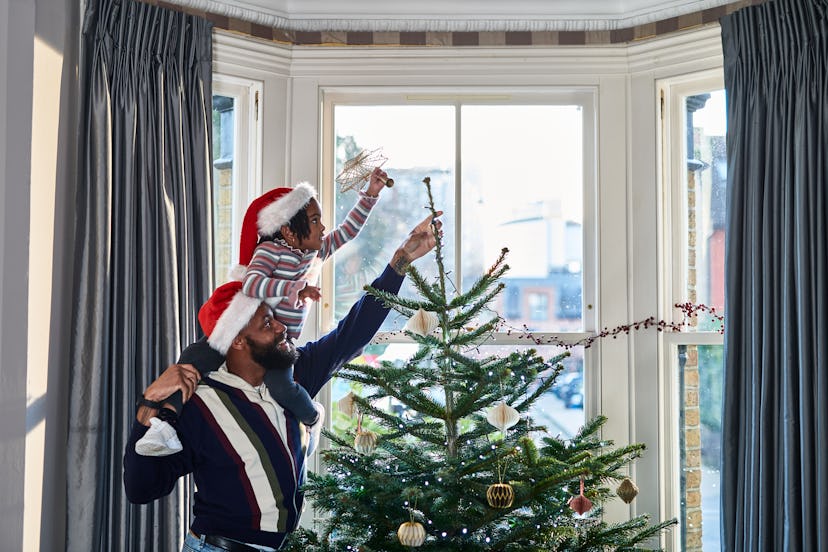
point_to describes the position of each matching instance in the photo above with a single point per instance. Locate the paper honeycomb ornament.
(347, 405)
(580, 503)
(627, 490)
(422, 322)
(411, 533)
(502, 416)
(500, 495)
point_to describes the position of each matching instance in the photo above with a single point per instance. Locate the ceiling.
(452, 15)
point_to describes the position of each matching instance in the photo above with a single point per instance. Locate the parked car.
(574, 397)
(570, 389)
(561, 387)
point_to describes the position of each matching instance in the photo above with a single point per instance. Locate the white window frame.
(673, 146)
(247, 168)
(582, 96)
(572, 95)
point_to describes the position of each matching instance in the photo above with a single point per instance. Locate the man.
(246, 453)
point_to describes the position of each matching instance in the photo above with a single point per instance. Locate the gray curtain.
(775, 424)
(142, 264)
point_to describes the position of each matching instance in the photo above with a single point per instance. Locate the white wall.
(51, 270)
(38, 119)
(625, 77)
(16, 32)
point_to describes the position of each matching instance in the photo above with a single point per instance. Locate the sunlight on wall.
(47, 70)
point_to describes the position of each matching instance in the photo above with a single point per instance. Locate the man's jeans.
(193, 544)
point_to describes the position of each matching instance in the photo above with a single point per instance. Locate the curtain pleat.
(142, 268)
(774, 463)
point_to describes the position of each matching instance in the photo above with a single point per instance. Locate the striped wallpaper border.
(694, 20)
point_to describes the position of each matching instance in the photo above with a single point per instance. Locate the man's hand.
(176, 377)
(378, 180)
(420, 241)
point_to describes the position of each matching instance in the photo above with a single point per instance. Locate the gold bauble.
(411, 533)
(500, 495)
(365, 441)
(627, 490)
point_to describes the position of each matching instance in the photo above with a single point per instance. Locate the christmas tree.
(469, 470)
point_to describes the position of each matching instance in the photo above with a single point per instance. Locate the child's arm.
(267, 276)
(356, 217)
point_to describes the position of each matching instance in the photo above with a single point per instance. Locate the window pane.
(700, 377)
(538, 306)
(224, 132)
(705, 190)
(418, 141)
(522, 188)
(543, 290)
(561, 410)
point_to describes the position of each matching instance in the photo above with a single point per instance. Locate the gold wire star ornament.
(356, 171)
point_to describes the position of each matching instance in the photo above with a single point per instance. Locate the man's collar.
(223, 375)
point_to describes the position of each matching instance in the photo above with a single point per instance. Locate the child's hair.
(299, 225)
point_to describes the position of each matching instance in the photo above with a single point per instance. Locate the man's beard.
(270, 357)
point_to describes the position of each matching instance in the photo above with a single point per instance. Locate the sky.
(712, 117)
(510, 152)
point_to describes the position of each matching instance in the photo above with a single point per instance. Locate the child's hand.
(378, 180)
(310, 292)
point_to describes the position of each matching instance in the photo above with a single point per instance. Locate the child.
(287, 259)
(281, 270)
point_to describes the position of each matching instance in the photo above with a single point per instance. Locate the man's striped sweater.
(246, 453)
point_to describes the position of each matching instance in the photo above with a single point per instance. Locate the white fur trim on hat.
(237, 272)
(279, 213)
(233, 320)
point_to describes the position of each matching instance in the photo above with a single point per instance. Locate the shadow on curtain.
(775, 420)
(142, 267)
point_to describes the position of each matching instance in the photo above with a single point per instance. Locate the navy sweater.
(246, 453)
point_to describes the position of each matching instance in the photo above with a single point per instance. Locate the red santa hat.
(225, 314)
(265, 216)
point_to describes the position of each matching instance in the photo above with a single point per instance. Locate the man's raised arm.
(319, 360)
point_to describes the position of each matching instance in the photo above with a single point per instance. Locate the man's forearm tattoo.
(400, 264)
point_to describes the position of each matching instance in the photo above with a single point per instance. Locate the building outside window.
(538, 306)
(224, 142)
(511, 302)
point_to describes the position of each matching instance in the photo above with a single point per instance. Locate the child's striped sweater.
(280, 272)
